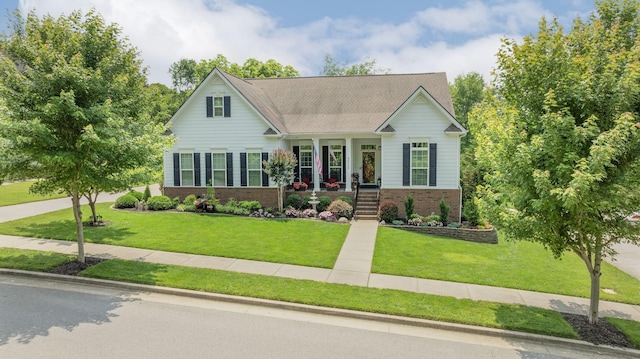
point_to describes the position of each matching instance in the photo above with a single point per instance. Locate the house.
(398, 132)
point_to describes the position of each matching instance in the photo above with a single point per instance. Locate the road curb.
(416, 322)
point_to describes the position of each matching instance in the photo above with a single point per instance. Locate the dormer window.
(218, 106)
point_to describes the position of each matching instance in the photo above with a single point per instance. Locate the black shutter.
(176, 169)
(344, 165)
(406, 164)
(196, 170)
(209, 106)
(229, 169)
(207, 169)
(433, 163)
(296, 171)
(227, 106)
(265, 176)
(243, 169)
(325, 163)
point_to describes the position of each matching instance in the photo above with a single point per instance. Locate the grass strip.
(630, 328)
(18, 193)
(25, 259)
(394, 302)
(299, 242)
(509, 264)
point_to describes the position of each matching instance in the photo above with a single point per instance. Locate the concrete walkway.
(352, 267)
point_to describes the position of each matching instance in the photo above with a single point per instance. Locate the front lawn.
(299, 242)
(17, 193)
(25, 259)
(387, 301)
(519, 264)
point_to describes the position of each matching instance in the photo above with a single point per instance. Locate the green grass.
(395, 302)
(307, 243)
(24, 259)
(630, 328)
(518, 264)
(17, 193)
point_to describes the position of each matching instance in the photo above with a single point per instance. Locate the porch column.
(348, 165)
(317, 151)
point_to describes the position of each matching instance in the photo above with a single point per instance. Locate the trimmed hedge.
(159, 203)
(126, 201)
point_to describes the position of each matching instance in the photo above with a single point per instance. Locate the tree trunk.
(280, 200)
(77, 214)
(594, 302)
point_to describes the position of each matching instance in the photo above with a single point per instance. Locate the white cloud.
(166, 30)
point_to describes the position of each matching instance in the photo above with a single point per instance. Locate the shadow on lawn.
(66, 230)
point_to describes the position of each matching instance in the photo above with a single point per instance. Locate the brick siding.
(426, 201)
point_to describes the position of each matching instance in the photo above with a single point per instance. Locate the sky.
(454, 36)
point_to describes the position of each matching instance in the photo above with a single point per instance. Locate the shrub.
(470, 212)
(346, 199)
(147, 194)
(415, 221)
(327, 216)
(453, 225)
(309, 212)
(137, 194)
(388, 211)
(181, 208)
(250, 205)
(293, 200)
(340, 208)
(159, 203)
(305, 202)
(231, 202)
(397, 222)
(444, 212)
(175, 200)
(292, 213)
(190, 208)
(126, 201)
(325, 201)
(409, 206)
(189, 200)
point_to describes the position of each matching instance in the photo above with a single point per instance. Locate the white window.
(254, 169)
(419, 163)
(335, 162)
(218, 106)
(186, 169)
(219, 168)
(306, 163)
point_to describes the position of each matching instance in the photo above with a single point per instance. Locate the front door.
(368, 167)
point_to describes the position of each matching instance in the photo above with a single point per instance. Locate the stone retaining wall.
(472, 235)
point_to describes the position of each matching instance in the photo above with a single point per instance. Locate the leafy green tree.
(187, 74)
(163, 102)
(561, 138)
(332, 68)
(466, 92)
(76, 120)
(281, 168)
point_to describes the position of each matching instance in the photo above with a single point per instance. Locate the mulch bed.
(74, 267)
(604, 333)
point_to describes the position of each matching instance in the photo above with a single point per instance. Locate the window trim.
(214, 170)
(250, 170)
(339, 167)
(182, 170)
(307, 149)
(421, 146)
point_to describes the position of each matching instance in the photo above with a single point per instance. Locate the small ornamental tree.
(561, 137)
(281, 168)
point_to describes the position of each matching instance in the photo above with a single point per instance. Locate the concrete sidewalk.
(353, 266)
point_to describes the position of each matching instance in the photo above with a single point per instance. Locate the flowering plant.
(300, 186)
(292, 212)
(327, 216)
(309, 212)
(332, 185)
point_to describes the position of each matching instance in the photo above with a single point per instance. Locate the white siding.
(421, 119)
(238, 133)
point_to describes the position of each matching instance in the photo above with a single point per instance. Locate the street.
(51, 319)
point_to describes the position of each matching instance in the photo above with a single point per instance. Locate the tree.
(332, 68)
(281, 168)
(466, 92)
(561, 138)
(77, 119)
(187, 74)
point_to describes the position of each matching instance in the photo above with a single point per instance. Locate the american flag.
(317, 158)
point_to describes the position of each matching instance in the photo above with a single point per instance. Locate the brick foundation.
(268, 197)
(426, 201)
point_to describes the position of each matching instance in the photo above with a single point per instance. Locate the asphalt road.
(51, 319)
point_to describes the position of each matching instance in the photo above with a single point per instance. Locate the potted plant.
(332, 186)
(300, 186)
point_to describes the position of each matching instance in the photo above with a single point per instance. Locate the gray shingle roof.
(337, 104)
